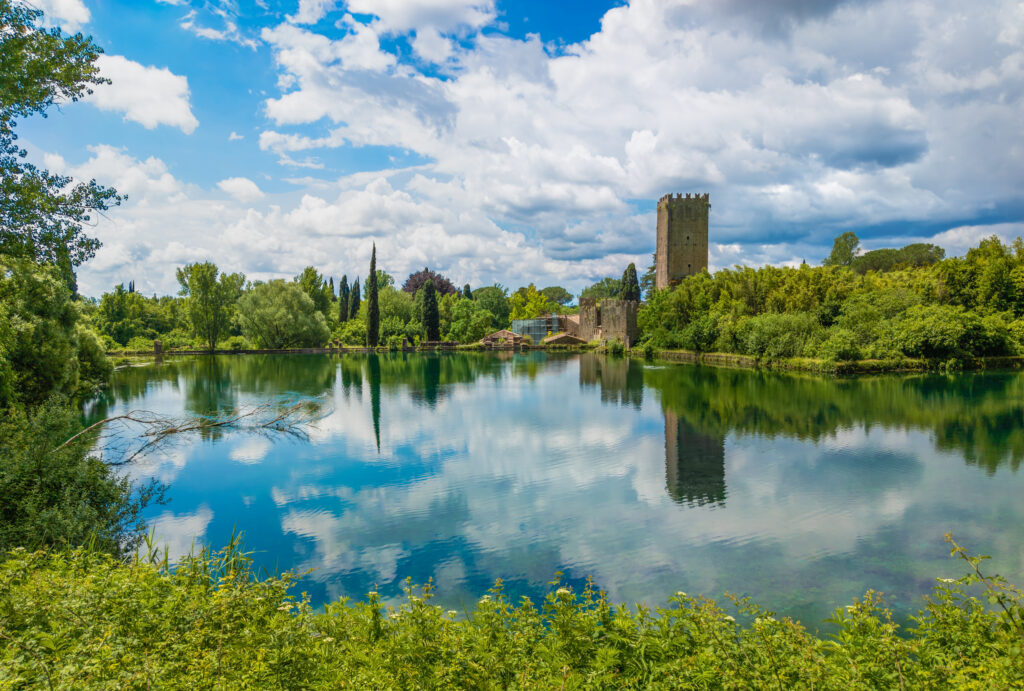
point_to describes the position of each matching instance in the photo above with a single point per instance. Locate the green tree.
(466, 292)
(470, 322)
(630, 284)
(343, 297)
(330, 289)
(384, 279)
(121, 315)
(431, 317)
(210, 300)
(650, 278)
(607, 287)
(279, 314)
(557, 294)
(372, 306)
(42, 215)
(442, 285)
(529, 303)
(494, 299)
(353, 300)
(844, 249)
(313, 285)
(44, 349)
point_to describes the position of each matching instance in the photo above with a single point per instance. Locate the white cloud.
(70, 15)
(150, 96)
(408, 15)
(226, 14)
(234, 137)
(242, 189)
(312, 11)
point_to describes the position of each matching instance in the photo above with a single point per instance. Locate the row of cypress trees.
(431, 315)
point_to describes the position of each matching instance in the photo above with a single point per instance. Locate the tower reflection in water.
(694, 461)
(694, 464)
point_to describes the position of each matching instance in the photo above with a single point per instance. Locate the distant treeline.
(890, 303)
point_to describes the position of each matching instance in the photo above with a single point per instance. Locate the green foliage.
(210, 301)
(529, 303)
(60, 495)
(917, 254)
(844, 249)
(120, 315)
(919, 307)
(42, 215)
(40, 347)
(313, 285)
(470, 322)
(630, 285)
(278, 314)
(431, 316)
(372, 304)
(557, 295)
(605, 288)
(353, 332)
(82, 619)
(650, 277)
(466, 292)
(416, 281)
(354, 300)
(343, 298)
(494, 299)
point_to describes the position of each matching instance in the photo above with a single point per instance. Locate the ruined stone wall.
(618, 321)
(590, 319)
(682, 237)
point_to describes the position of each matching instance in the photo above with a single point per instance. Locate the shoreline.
(723, 360)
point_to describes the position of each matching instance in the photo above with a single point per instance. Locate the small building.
(540, 328)
(562, 339)
(502, 339)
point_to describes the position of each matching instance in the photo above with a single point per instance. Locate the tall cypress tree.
(343, 299)
(330, 285)
(372, 310)
(630, 284)
(353, 300)
(466, 292)
(431, 317)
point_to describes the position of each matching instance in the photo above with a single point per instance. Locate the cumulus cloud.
(312, 11)
(150, 96)
(70, 15)
(542, 163)
(242, 189)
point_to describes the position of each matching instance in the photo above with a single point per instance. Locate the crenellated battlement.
(678, 197)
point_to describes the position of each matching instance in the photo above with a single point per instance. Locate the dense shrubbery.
(920, 307)
(79, 619)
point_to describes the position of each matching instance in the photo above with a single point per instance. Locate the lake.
(800, 491)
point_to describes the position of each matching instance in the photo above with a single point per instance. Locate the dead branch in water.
(139, 432)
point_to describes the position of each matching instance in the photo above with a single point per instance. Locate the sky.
(528, 141)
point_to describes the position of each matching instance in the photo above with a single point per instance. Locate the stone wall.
(590, 319)
(618, 321)
(682, 238)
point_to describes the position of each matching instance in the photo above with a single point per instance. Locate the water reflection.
(694, 464)
(463, 468)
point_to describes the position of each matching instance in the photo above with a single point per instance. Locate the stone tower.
(682, 237)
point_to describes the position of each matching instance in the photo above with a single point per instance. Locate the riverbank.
(854, 367)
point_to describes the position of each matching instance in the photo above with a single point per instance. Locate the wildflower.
(485, 598)
(285, 607)
(452, 613)
(729, 617)
(562, 592)
(680, 593)
(328, 639)
(948, 580)
(372, 593)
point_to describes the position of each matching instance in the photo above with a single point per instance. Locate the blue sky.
(527, 141)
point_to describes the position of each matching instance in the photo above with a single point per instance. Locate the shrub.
(841, 345)
(236, 343)
(85, 620)
(779, 335)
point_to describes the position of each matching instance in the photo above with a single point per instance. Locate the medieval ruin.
(682, 245)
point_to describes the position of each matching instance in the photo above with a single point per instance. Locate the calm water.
(802, 492)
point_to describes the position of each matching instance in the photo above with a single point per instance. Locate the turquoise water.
(799, 491)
